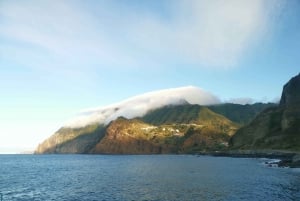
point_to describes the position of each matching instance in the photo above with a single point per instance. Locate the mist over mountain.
(139, 105)
(179, 120)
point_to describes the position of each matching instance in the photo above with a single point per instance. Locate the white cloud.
(67, 34)
(242, 101)
(139, 105)
(213, 33)
(209, 33)
(275, 100)
(247, 100)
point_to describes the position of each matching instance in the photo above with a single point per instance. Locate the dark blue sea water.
(144, 177)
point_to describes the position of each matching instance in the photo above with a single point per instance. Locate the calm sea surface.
(145, 177)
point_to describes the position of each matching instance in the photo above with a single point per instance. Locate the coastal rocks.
(293, 162)
(272, 162)
(296, 160)
(270, 158)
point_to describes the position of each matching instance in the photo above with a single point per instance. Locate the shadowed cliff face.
(291, 92)
(276, 127)
(68, 140)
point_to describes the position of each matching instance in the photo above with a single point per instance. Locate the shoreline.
(289, 159)
(285, 158)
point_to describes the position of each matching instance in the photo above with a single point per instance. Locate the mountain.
(277, 127)
(72, 140)
(241, 114)
(182, 114)
(167, 121)
(138, 106)
(178, 131)
(184, 133)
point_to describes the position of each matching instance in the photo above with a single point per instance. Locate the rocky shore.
(286, 158)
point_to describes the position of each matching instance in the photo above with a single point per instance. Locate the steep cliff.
(277, 127)
(291, 93)
(72, 140)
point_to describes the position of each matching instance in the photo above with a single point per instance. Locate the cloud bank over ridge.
(139, 105)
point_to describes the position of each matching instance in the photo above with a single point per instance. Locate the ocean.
(144, 177)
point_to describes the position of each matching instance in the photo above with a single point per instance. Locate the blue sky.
(59, 57)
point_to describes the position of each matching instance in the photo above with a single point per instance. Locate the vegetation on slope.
(137, 137)
(242, 114)
(277, 127)
(171, 129)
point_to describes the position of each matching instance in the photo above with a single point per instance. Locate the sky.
(59, 57)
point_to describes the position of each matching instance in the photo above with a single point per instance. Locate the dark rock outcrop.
(293, 162)
(291, 93)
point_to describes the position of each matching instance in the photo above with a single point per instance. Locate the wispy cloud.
(208, 33)
(211, 33)
(58, 29)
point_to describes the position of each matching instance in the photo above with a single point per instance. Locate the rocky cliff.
(291, 93)
(276, 127)
(72, 140)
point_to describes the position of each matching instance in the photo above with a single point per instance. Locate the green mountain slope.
(181, 128)
(124, 136)
(181, 114)
(277, 127)
(171, 129)
(242, 114)
(173, 114)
